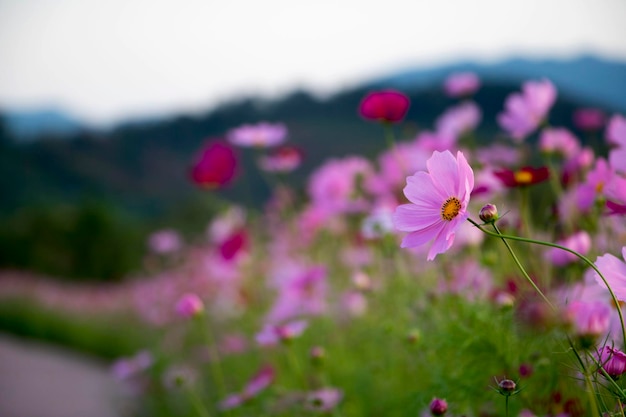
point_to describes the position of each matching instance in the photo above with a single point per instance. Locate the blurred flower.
(612, 360)
(614, 271)
(439, 200)
(303, 292)
(377, 224)
(523, 176)
(435, 141)
(579, 242)
(616, 130)
(165, 241)
(261, 135)
(590, 319)
(234, 244)
(189, 305)
(273, 334)
(589, 118)
(461, 84)
(260, 381)
(283, 159)
(438, 407)
(588, 192)
(216, 166)
(323, 400)
(525, 111)
(336, 186)
(384, 106)
(458, 120)
(354, 303)
(615, 192)
(560, 141)
(126, 368)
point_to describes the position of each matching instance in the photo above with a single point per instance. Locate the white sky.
(105, 60)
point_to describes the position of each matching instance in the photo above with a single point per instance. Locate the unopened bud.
(507, 386)
(438, 407)
(489, 213)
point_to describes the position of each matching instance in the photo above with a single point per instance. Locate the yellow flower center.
(523, 177)
(450, 208)
(599, 187)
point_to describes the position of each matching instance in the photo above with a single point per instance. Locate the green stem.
(521, 268)
(215, 362)
(506, 405)
(573, 252)
(389, 136)
(197, 403)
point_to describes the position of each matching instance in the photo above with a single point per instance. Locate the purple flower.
(324, 399)
(526, 110)
(439, 200)
(616, 130)
(597, 178)
(164, 241)
(461, 84)
(261, 135)
(272, 335)
(589, 318)
(458, 120)
(614, 271)
(560, 141)
(589, 118)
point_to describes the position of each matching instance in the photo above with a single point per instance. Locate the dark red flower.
(384, 106)
(230, 247)
(216, 166)
(523, 176)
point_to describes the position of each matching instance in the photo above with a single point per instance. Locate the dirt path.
(42, 381)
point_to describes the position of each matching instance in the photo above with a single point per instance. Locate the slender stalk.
(506, 406)
(573, 252)
(215, 362)
(197, 403)
(389, 136)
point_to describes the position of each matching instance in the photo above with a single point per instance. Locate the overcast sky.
(106, 60)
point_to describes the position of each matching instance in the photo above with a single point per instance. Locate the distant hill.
(592, 80)
(35, 123)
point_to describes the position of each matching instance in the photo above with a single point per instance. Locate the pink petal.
(422, 236)
(409, 218)
(444, 171)
(421, 191)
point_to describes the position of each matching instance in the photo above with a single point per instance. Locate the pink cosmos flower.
(616, 130)
(439, 200)
(303, 292)
(615, 192)
(335, 185)
(597, 178)
(590, 319)
(261, 135)
(459, 119)
(435, 141)
(614, 270)
(323, 400)
(384, 106)
(560, 141)
(461, 84)
(579, 242)
(524, 112)
(589, 118)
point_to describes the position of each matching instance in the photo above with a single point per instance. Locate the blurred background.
(105, 105)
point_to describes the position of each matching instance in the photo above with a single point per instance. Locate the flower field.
(444, 277)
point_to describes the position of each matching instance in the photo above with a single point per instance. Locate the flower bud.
(507, 387)
(438, 407)
(189, 305)
(317, 355)
(489, 213)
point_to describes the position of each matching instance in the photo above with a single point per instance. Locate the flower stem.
(573, 252)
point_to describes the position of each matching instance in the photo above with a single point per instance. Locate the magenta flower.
(524, 112)
(284, 159)
(597, 178)
(164, 241)
(384, 106)
(458, 120)
(614, 270)
(461, 84)
(323, 400)
(216, 166)
(259, 382)
(589, 118)
(612, 360)
(272, 334)
(261, 135)
(439, 200)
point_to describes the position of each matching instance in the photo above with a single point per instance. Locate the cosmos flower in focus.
(525, 111)
(261, 135)
(384, 106)
(216, 166)
(461, 84)
(523, 176)
(438, 202)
